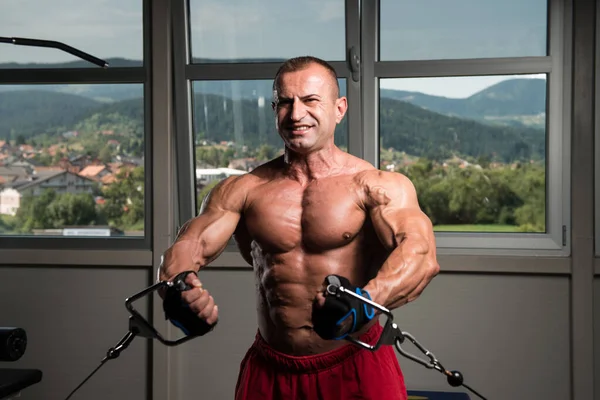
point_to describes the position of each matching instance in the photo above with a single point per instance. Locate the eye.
(283, 103)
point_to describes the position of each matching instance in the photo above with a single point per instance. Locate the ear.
(341, 106)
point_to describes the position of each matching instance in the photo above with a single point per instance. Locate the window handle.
(354, 60)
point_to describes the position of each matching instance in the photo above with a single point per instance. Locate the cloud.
(452, 87)
(246, 16)
(267, 29)
(328, 10)
(233, 28)
(220, 17)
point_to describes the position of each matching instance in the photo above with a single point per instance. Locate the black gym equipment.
(392, 335)
(54, 45)
(13, 340)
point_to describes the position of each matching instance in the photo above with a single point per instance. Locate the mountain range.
(514, 101)
(505, 120)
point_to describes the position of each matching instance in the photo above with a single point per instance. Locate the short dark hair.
(303, 62)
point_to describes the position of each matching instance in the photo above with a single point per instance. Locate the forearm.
(181, 256)
(406, 268)
(203, 238)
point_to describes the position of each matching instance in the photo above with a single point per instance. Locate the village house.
(34, 185)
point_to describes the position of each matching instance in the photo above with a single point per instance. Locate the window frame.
(363, 120)
(92, 250)
(185, 73)
(557, 67)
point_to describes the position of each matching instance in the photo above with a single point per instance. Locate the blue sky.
(284, 28)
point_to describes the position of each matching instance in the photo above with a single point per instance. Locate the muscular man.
(316, 211)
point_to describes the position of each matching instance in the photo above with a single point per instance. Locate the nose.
(298, 110)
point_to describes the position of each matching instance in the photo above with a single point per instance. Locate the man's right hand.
(200, 301)
(194, 310)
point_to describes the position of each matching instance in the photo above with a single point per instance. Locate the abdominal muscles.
(287, 286)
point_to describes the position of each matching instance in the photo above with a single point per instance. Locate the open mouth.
(299, 129)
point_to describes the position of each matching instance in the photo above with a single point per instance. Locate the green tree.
(19, 140)
(32, 211)
(124, 200)
(105, 154)
(54, 211)
(529, 182)
(71, 209)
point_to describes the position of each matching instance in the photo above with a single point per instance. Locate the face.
(307, 109)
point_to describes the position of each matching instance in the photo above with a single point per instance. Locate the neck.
(314, 165)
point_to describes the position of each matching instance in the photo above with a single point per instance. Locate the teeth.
(301, 128)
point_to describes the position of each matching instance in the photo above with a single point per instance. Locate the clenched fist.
(193, 310)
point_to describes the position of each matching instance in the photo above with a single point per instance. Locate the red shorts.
(349, 372)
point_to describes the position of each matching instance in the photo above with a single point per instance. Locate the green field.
(476, 228)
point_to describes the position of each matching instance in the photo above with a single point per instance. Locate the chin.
(298, 144)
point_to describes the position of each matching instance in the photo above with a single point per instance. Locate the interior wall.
(508, 335)
(72, 317)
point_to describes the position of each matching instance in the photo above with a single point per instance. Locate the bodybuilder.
(316, 211)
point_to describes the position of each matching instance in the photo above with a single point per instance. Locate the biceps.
(394, 226)
(216, 235)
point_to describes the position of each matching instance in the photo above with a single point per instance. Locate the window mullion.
(463, 67)
(369, 55)
(354, 114)
(184, 142)
(75, 75)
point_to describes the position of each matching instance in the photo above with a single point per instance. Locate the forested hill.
(517, 102)
(417, 131)
(507, 98)
(404, 127)
(31, 112)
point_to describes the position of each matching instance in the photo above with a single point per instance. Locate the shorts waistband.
(317, 362)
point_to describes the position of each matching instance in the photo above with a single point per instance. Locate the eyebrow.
(284, 98)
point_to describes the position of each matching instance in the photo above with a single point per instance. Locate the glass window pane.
(107, 29)
(442, 29)
(72, 160)
(234, 129)
(475, 148)
(262, 30)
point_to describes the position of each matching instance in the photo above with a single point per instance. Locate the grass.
(476, 228)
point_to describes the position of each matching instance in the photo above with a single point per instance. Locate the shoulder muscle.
(391, 201)
(387, 189)
(228, 195)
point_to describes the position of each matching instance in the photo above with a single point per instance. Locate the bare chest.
(322, 216)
